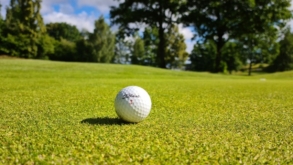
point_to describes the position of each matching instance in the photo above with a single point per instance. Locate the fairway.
(63, 113)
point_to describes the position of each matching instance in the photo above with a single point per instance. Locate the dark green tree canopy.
(151, 42)
(153, 13)
(63, 30)
(284, 60)
(138, 51)
(202, 56)
(222, 20)
(102, 42)
(24, 28)
(229, 33)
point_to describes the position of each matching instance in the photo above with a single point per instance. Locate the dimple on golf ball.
(133, 104)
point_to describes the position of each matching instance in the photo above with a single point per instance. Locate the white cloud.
(81, 20)
(47, 5)
(188, 34)
(186, 31)
(66, 9)
(190, 45)
(102, 5)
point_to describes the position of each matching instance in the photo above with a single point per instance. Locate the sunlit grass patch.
(63, 113)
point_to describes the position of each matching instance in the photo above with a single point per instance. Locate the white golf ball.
(133, 104)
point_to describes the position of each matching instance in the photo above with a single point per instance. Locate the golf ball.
(133, 104)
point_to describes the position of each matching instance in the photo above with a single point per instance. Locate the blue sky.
(83, 13)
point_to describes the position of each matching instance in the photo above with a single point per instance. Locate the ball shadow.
(104, 121)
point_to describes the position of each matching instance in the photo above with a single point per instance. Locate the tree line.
(228, 33)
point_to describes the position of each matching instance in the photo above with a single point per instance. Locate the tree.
(232, 56)
(102, 42)
(138, 51)
(175, 49)
(63, 30)
(223, 20)
(46, 47)
(202, 56)
(123, 49)
(64, 50)
(284, 60)
(2, 38)
(83, 51)
(212, 21)
(25, 27)
(83, 48)
(259, 48)
(156, 13)
(151, 42)
(1, 21)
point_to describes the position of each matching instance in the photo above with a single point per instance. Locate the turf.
(63, 113)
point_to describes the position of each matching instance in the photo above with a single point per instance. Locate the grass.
(63, 113)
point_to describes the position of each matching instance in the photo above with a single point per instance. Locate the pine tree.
(102, 42)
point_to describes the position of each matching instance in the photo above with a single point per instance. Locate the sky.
(83, 13)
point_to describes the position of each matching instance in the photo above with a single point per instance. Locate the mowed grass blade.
(63, 113)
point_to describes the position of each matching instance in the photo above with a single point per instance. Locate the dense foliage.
(284, 60)
(63, 31)
(227, 38)
(23, 29)
(154, 13)
(224, 20)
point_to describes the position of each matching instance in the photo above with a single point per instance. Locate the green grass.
(63, 113)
